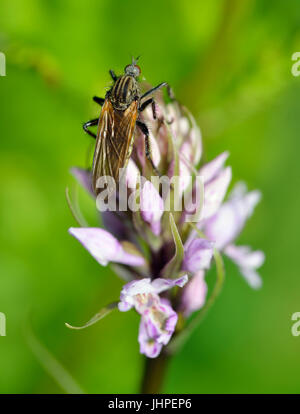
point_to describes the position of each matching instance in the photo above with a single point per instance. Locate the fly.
(116, 125)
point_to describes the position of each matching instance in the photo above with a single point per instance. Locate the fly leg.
(143, 127)
(146, 103)
(156, 88)
(88, 124)
(98, 100)
(113, 75)
(170, 93)
(151, 100)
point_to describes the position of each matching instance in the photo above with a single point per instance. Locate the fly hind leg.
(146, 103)
(151, 100)
(88, 124)
(143, 127)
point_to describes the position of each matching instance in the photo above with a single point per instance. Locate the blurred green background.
(230, 62)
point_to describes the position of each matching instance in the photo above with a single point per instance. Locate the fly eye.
(137, 70)
(133, 70)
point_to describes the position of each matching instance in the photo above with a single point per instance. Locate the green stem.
(154, 374)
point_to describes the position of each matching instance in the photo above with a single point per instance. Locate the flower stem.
(154, 374)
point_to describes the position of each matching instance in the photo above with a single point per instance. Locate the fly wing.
(114, 141)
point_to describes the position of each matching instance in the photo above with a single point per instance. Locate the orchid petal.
(194, 294)
(84, 177)
(210, 170)
(214, 193)
(248, 261)
(196, 142)
(156, 328)
(146, 286)
(148, 346)
(198, 255)
(136, 287)
(152, 206)
(132, 174)
(104, 247)
(252, 277)
(229, 221)
(244, 256)
(160, 285)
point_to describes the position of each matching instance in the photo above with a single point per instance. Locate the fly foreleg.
(98, 100)
(143, 127)
(156, 88)
(88, 124)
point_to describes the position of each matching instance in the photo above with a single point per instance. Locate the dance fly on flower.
(116, 125)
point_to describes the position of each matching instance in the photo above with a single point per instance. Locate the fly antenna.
(134, 61)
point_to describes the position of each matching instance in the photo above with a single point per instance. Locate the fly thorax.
(124, 92)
